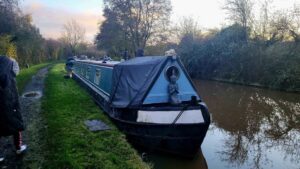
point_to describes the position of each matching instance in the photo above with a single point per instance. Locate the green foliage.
(7, 47)
(12, 51)
(69, 143)
(8, 16)
(229, 56)
(19, 38)
(29, 41)
(112, 38)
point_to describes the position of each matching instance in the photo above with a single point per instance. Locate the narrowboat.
(151, 99)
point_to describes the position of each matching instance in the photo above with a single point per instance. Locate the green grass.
(69, 143)
(26, 74)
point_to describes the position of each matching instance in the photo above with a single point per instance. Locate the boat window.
(82, 70)
(87, 75)
(97, 77)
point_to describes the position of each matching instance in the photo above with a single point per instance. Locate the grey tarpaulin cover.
(133, 78)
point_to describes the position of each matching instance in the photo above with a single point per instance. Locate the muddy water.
(251, 128)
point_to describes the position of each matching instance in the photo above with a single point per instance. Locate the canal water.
(251, 128)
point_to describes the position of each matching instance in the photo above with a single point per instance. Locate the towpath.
(30, 101)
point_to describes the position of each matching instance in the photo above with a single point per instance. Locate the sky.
(50, 15)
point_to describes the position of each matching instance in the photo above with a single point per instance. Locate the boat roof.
(99, 62)
(145, 60)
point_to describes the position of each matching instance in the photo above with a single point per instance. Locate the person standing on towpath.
(11, 122)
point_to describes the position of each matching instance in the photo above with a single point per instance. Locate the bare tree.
(73, 35)
(262, 26)
(240, 11)
(188, 26)
(140, 19)
(279, 26)
(295, 23)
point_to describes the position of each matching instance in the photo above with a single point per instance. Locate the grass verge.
(26, 74)
(69, 143)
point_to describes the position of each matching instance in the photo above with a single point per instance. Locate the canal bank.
(26, 74)
(66, 106)
(294, 89)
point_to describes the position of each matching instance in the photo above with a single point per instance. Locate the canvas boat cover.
(132, 80)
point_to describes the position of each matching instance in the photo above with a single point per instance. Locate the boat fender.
(194, 101)
(144, 156)
(206, 115)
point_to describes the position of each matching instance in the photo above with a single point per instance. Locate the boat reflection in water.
(160, 161)
(251, 128)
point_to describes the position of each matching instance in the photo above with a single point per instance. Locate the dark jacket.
(10, 115)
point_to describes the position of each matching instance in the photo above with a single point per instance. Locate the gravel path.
(33, 135)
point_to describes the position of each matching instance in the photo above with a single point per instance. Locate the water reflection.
(252, 128)
(160, 161)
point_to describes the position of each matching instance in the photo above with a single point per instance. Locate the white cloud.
(50, 20)
(50, 15)
(208, 13)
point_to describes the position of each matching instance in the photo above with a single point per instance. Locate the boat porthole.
(170, 70)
